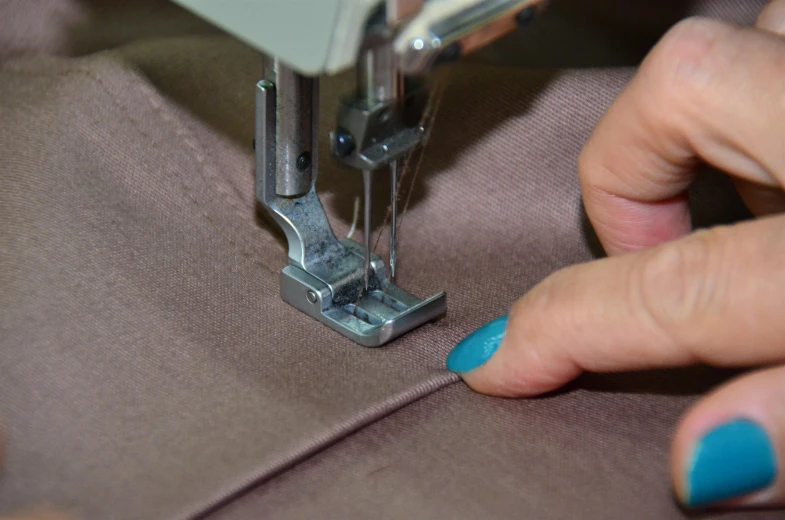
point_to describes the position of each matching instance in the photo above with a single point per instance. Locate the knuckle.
(683, 283)
(772, 17)
(689, 57)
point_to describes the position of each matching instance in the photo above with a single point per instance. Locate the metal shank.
(294, 132)
(325, 276)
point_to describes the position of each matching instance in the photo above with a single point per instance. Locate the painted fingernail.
(730, 461)
(477, 347)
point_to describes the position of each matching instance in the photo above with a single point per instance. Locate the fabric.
(149, 369)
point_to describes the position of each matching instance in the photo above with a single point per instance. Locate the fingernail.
(730, 461)
(477, 347)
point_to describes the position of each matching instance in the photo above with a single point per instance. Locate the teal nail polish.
(477, 347)
(730, 461)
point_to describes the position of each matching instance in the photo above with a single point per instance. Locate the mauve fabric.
(149, 368)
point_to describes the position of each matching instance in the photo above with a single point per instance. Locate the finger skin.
(772, 18)
(713, 297)
(708, 92)
(764, 200)
(759, 396)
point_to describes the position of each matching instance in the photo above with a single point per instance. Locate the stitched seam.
(189, 142)
(369, 416)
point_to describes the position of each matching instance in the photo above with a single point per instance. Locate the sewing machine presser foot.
(326, 277)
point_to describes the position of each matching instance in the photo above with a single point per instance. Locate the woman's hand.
(666, 297)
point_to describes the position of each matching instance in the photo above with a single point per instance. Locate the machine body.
(392, 44)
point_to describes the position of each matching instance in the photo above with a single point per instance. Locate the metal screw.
(311, 296)
(525, 16)
(344, 143)
(304, 161)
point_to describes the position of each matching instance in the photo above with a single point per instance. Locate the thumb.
(711, 297)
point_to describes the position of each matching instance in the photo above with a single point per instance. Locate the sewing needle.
(393, 214)
(367, 224)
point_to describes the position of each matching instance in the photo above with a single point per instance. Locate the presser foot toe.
(370, 318)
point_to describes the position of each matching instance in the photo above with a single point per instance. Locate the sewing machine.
(392, 44)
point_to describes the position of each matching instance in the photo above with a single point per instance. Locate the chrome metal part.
(367, 185)
(373, 118)
(376, 318)
(326, 278)
(377, 76)
(436, 35)
(393, 214)
(294, 140)
(377, 153)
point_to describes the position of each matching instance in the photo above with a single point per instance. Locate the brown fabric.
(588, 454)
(148, 368)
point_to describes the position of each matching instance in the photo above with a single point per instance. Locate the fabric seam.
(370, 415)
(187, 139)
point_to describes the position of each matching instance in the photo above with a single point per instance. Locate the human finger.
(708, 92)
(728, 450)
(713, 297)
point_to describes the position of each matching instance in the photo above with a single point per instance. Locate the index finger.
(708, 92)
